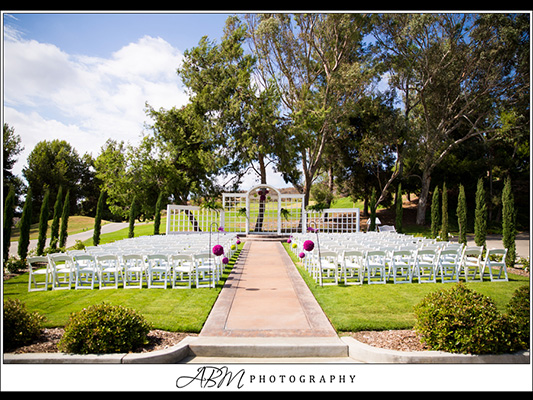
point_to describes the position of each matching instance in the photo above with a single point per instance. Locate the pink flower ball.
(218, 250)
(309, 245)
(225, 260)
(301, 255)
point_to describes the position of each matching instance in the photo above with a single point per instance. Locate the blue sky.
(85, 77)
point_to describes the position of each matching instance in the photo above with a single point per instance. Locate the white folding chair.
(449, 264)
(38, 266)
(353, 267)
(206, 270)
(109, 271)
(134, 268)
(86, 271)
(426, 265)
(328, 268)
(401, 266)
(471, 263)
(62, 265)
(158, 271)
(182, 271)
(375, 265)
(495, 262)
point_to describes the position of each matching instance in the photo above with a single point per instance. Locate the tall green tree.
(459, 78)
(133, 215)
(444, 214)
(65, 214)
(462, 214)
(56, 163)
(98, 219)
(319, 65)
(509, 222)
(11, 148)
(157, 220)
(54, 230)
(243, 117)
(9, 212)
(480, 222)
(43, 224)
(25, 226)
(435, 213)
(399, 209)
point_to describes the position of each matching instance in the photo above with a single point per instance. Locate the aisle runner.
(265, 296)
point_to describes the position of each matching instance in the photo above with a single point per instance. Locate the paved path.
(265, 296)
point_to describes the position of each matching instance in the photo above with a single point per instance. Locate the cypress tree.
(480, 223)
(372, 210)
(25, 225)
(9, 212)
(157, 221)
(98, 219)
(508, 223)
(435, 213)
(43, 224)
(133, 212)
(444, 228)
(461, 214)
(399, 210)
(54, 230)
(64, 221)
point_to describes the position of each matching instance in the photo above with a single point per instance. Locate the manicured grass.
(390, 306)
(76, 224)
(178, 310)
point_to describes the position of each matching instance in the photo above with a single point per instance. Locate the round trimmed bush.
(21, 327)
(460, 320)
(104, 328)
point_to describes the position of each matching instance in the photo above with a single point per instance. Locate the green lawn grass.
(177, 310)
(389, 306)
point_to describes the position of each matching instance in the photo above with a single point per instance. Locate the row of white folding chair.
(426, 264)
(84, 270)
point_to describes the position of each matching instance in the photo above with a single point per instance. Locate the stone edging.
(358, 352)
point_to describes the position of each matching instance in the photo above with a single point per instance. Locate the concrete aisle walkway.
(265, 310)
(265, 296)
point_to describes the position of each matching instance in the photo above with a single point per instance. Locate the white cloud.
(84, 100)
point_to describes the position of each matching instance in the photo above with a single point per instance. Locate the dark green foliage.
(104, 328)
(43, 224)
(480, 223)
(9, 210)
(133, 215)
(54, 230)
(460, 320)
(157, 221)
(20, 325)
(435, 213)
(508, 223)
(399, 210)
(444, 226)
(372, 205)
(461, 214)
(25, 225)
(98, 219)
(518, 310)
(64, 221)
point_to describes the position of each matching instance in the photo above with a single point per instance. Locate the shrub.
(21, 327)
(104, 328)
(460, 320)
(518, 312)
